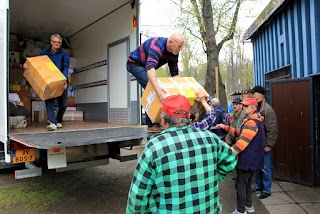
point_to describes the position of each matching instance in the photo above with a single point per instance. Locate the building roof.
(264, 16)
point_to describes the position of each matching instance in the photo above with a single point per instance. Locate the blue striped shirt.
(153, 54)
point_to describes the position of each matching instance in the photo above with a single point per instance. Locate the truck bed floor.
(76, 133)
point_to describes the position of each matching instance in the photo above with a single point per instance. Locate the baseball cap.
(236, 100)
(250, 101)
(176, 106)
(258, 89)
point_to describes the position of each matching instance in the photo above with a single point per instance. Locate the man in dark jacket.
(264, 177)
(249, 148)
(61, 59)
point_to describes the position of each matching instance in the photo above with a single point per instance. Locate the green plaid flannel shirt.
(178, 172)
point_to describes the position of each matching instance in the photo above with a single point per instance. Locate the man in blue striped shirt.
(180, 169)
(152, 54)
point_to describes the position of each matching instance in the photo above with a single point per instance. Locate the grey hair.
(55, 36)
(174, 121)
(215, 102)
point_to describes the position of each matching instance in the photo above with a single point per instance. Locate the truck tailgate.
(79, 137)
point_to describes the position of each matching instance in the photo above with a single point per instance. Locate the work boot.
(264, 195)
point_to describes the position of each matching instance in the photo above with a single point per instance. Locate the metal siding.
(278, 42)
(291, 39)
(269, 29)
(305, 19)
(268, 55)
(296, 27)
(275, 44)
(297, 32)
(261, 71)
(285, 31)
(255, 62)
(315, 32)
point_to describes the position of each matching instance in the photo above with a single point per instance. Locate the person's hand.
(267, 149)
(25, 66)
(200, 96)
(220, 125)
(65, 86)
(161, 93)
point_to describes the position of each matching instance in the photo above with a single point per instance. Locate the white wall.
(90, 46)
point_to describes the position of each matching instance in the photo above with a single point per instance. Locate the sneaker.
(155, 129)
(250, 209)
(264, 195)
(51, 126)
(59, 125)
(237, 212)
(257, 189)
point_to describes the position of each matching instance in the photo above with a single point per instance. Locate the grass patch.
(28, 196)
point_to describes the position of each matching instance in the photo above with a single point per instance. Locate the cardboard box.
(44, 77)
(14, 57)
(73, 115)
(40, 116)
(16, 76)
(186, 86)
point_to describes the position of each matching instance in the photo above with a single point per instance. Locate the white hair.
(215, 102)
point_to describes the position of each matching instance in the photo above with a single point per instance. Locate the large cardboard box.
(44, 77)
(186, 86)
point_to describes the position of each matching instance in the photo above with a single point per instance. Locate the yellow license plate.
(23, 155)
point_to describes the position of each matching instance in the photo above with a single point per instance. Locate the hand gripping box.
(44, 77)
(186, 86)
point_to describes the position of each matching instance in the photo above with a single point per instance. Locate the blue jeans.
(140, 73)
(62, 104)
(264, 176)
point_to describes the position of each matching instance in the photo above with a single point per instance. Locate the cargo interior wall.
(90, 46)
(88, 29)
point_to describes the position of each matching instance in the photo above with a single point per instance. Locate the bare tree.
(223, 28)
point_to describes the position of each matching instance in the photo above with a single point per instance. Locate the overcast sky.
(157, 17)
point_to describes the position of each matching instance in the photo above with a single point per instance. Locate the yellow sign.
(23, 155)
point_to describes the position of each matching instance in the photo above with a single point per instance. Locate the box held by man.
(44, 77)
(186, 86)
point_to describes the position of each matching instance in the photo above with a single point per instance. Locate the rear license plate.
(23, 155)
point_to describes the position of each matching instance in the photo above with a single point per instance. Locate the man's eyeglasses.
(56, 42)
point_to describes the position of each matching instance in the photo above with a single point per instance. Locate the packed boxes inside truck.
(44, 77)
(73, 115)
(186, 86)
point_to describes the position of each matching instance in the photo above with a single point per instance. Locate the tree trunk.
(210, 86)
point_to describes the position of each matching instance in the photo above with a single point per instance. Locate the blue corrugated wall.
(291, 38)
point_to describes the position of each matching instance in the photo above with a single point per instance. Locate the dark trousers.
(244, 190)
(140, 73)
(62, 104)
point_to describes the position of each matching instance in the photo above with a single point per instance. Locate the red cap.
(176, 106)
(250, 101)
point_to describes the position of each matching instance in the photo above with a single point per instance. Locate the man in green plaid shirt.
(179, 169)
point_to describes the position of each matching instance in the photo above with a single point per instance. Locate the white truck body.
(102, 35)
